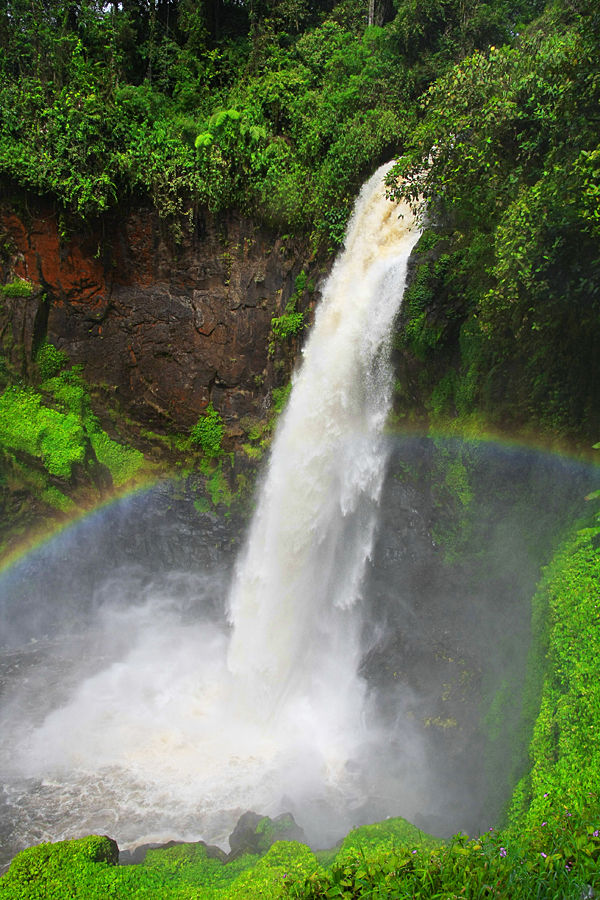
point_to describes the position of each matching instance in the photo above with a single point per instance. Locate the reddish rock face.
(165, 327)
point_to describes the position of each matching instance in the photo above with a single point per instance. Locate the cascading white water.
(185, 726)
(313, 530)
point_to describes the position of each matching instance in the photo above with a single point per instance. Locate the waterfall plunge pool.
(114, 641)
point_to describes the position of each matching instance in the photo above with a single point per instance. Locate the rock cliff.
(162, 327)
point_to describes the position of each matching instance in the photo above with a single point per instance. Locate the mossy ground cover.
(55, 426)
(565, 757)
(55, 457)
(556, 858)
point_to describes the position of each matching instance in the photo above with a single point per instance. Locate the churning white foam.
(190, 724)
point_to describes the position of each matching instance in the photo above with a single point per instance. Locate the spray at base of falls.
(187, 725)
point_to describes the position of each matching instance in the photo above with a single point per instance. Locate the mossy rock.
(50, 870)
(256, 834)
(396, 831)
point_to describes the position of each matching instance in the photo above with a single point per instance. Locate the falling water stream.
(166, 723)
(291, 605)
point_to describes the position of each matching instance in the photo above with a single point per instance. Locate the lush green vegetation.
(277, 108)
(49, 435)
(260, 432)
(291, 322)
(503, 313)
(208, 433)
(17, 288)
(564, 752)
(557, 857)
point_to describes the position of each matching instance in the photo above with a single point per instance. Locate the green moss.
(69, 389)
(17, 288)
(202, 505)
(565, 756)
(218, 488)
(71, 392)
(453, 497)
(123, 461)
(50, 361)
(252, 451)
(57, 438)
(260, 434)
(55, 498)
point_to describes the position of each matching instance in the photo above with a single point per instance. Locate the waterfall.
(171, 722)
(290, 606)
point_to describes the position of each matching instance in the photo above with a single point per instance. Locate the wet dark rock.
(138, 854)
(161, 328)
(255, 834)
(252, 834)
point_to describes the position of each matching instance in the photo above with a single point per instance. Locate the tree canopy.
(279, 107)
(507, 157)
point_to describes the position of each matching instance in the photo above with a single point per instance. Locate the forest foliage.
(277, 107)
(507, 157)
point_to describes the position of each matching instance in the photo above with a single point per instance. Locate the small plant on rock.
(208, 433)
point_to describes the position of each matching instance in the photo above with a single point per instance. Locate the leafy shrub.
(17, 288)
(57, 871)
(50, 361)
(287, 325)
(208, 433)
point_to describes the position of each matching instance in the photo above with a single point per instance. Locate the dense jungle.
(176, 179)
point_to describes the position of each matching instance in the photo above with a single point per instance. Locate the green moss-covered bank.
(390, 860)
(565, 757)
(57, 459)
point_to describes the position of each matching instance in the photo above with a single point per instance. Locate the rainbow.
(47, 530)
(578, 456)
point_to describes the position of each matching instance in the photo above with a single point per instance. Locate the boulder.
(255, 834)
(138, 854)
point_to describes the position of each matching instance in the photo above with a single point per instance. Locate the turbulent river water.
(152, 688)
